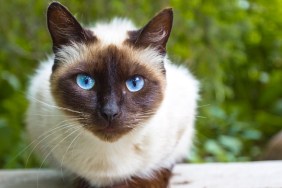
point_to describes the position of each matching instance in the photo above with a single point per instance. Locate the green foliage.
(234, 48)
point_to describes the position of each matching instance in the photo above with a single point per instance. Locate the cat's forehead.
(100, 53)
(112, 42)
(114, 32)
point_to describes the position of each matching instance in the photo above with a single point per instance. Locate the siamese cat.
(109, 107)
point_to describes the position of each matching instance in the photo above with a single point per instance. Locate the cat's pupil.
(86, 81)
(134, 82)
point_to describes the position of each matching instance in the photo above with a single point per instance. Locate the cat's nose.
(110, 111)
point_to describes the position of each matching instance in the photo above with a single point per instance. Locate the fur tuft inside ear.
(64, 28)
(155, 33)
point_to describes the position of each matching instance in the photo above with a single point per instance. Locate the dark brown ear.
(63, 27)
(155, 33)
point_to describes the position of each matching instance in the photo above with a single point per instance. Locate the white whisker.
(53, 106)
(50, 152)
(67, 152)
(51, 132)
(58, 126)
(205, 105)
(201, 117)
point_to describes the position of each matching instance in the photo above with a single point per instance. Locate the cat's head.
(110, 88)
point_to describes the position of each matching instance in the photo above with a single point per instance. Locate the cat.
(109, 107)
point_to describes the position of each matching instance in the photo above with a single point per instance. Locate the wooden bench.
(210, 175)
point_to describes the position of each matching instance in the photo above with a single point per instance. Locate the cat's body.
(139, 146)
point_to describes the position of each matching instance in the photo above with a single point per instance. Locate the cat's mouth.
(110, 132)
(110, 129)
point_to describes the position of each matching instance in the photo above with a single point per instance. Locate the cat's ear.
(155, 33)
(63, 27)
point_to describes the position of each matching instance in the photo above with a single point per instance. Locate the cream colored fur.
(159, 143)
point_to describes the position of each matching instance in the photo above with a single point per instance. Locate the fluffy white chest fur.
(161, 141)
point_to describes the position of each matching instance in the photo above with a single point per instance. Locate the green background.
(234, 47)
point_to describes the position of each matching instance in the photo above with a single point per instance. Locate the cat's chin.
(110, 133)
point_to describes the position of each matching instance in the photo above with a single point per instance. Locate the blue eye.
(135, 83)
(84, 81)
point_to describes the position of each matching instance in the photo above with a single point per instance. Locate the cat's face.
(110, 89)
(106, 98)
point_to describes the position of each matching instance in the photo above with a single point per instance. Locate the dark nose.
(110, 111)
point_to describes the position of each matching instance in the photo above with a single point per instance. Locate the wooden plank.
(229, 175)
(210, 175)
(32, 179)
